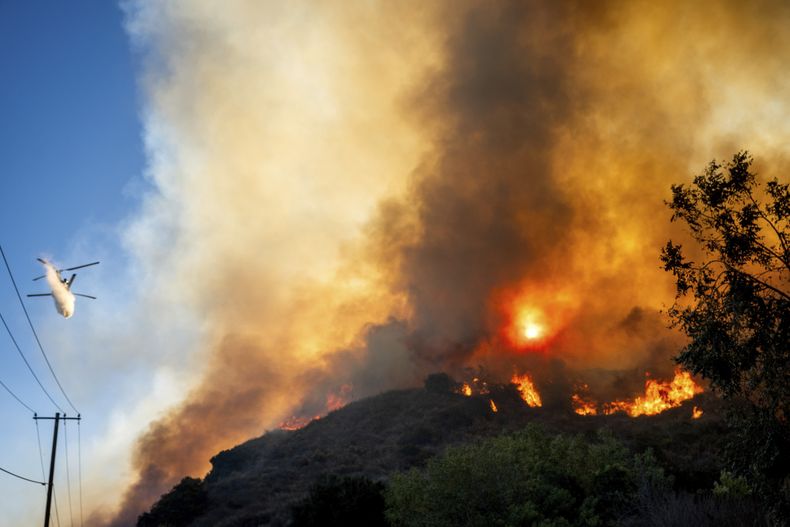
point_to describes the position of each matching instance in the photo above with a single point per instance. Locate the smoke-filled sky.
(340, 198)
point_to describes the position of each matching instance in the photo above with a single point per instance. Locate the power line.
(22, 477)
(33, 329)
(15, 397)
(29, 367)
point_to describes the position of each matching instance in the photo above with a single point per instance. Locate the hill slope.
(256, 482)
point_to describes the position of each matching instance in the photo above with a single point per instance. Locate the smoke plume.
(361, 193)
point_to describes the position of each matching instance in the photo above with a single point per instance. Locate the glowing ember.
(582, 406)
(527, 389)
(696, 413)
(466, 390)
(659, 396)
(493, 406)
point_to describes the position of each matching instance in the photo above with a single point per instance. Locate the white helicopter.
(61, 287)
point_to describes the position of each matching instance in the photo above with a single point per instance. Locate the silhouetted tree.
(178, 507)
(440, 383)
(342, 502)
(734, 305)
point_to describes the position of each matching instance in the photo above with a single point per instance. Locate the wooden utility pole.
(57, 419)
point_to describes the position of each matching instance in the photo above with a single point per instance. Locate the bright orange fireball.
(532, 330)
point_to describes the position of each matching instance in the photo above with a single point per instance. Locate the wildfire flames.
(493, 406)
(696, 413)
(466, 390)
(527, 389)
(582, 406)
(659, 396)
(334, 401)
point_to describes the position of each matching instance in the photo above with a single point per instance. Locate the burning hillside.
(255, 482)
(391, 189)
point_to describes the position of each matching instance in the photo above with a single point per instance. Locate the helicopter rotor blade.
(85, 296)
(39, 277)
(78, 267)
(41, 294)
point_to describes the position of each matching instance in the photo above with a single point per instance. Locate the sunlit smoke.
(363, 193)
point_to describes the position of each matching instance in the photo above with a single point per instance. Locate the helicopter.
(61, 287)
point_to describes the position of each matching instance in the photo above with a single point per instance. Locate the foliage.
(657, 507)
(739, 317)
(731, 485)
(734, 305)
(177, 508)
(346, 502)
(530, 478)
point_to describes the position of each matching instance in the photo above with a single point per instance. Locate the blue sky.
(70, 158)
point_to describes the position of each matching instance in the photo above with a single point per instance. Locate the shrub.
(529, 478)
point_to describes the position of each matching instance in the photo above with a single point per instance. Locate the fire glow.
(583, 406)
(531, 316)
(334, 401)
(527, 389)
(532, 330)
(659, 396)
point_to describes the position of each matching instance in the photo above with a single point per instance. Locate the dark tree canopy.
(185, 502)
(733, 303)
(342, 502)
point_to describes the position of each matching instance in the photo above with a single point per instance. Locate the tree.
(185, 502)
(346, 502)
(734, 304)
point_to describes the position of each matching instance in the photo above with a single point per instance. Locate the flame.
(295, 423)
(582, 406)
(493, 406)
(696, 413)
(527, 389)
(335, 401)
(466, 390)
(659, 396)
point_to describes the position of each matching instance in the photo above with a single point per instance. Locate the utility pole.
(57, 420)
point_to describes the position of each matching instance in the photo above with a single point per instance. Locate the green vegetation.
(733, 303)
(529, 478)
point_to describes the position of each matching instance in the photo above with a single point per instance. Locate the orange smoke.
(659, 396)
(527, 389)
